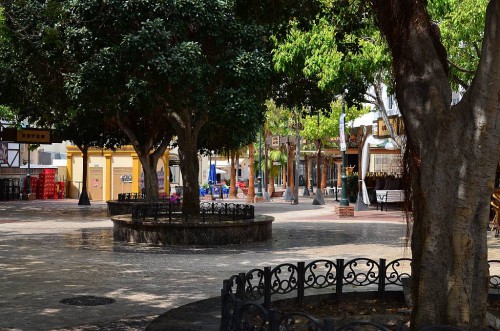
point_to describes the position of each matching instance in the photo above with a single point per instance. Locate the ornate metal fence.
(246, 298)
(174, 211)
(131, 197)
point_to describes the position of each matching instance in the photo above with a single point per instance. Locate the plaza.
(54, 249)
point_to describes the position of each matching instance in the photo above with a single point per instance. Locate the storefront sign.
(383, 130)
(33, 136)
(275, 141)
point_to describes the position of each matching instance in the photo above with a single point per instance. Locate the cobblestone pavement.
(54, 249)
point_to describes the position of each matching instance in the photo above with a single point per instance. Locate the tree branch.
(160, 150)
(460, 68)
(484, 89)
(478, 51)
(460, 82)
(129, 133)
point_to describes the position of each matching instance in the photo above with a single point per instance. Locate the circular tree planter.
(164, 222)
(192, 233)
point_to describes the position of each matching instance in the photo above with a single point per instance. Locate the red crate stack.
(46, 184)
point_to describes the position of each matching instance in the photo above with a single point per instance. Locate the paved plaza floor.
(53, 250)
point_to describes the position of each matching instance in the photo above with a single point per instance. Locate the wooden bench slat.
(277, 194)
(389, 196)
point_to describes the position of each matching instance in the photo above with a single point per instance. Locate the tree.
(154, 69)
(57, 70)
(319, 129)
(452, 152)
(237, 75)
(32, 68)
(461, 21)
(233, 188)
(277, 123)
(251, 174)
(452, 155)
(354, 66)
(85, 134)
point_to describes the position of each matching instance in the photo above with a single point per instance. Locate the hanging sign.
(383, 130)
(33, 136)
(275, 141)
(343, 146)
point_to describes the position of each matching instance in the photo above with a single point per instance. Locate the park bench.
(389, 196)
(276, 194)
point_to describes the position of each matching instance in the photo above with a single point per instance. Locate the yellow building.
(110, 173)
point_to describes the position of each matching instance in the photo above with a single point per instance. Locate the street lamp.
(259, 177)
(296, 126)
(343, 198)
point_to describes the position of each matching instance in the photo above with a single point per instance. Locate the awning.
(222, 163)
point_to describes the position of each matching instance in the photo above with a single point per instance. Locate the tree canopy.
(152, 69)
(461, 25)
(451, 150)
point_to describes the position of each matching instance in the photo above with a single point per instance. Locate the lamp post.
(296, 126)
(259, 177)
(343, 198)
(28, 173)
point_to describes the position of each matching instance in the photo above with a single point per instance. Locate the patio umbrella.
(212, 174)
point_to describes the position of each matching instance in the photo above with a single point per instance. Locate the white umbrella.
(220, 171)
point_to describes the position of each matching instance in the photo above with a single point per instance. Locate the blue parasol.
(212, 176)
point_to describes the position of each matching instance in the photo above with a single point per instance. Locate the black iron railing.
(138, 197)
(249, 295)
(175, 211)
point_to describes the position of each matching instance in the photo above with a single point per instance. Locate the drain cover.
(87, 300)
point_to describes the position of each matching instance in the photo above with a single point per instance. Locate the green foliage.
(461, 23)
(340, 50)
(6, 114)
(278, 119)
(149, 61)
(277, 13)
(329, 125)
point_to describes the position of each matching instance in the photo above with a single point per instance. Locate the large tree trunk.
(266, 165)
(147, 153)
(251, 174)
(232, 184)
(84, 196)
(148, 163)
(271, 181)
(324, 173)
(318, 164)
(187, 132)
(289, 166)
(284, 170)
(306, 170)
(308, 161)
(306, 175)
(453, 152)
(188, 155)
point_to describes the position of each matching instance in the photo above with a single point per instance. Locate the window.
(390, 102)
(175, 170)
